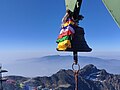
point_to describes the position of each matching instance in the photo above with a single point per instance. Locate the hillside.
(90, 78)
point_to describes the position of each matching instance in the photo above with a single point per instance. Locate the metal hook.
(77, 65)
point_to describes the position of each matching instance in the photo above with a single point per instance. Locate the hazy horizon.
(28, 66)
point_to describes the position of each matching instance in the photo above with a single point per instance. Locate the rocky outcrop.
(90, 78)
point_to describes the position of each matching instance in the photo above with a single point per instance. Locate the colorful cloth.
(67, 33)
(64, 45)
(67, 28)
(68, 22)
(65, 36)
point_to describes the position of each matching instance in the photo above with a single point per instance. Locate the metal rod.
(75, 57)
(0, 79)
(76, 72)
(1, 87)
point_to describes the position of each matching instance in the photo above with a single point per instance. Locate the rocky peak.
(88, 70)
(90, 78)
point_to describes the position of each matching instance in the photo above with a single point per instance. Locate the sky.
(29, 28)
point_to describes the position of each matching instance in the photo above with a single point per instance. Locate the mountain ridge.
(57, 62)
(90, 78)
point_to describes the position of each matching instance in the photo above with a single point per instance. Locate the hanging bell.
(78, 42)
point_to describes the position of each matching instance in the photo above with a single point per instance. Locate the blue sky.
(30, 27)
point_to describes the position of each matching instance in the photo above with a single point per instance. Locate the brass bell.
(78, 42)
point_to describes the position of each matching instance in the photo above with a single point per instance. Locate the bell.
(78, 42)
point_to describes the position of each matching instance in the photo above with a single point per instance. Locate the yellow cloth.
(64, 45)
(67, 23)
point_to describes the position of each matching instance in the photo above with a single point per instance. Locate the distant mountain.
(111, 65)
(51, 64)
(90, 78)
(83, 60)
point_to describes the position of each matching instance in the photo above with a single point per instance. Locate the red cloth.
(67, 33)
